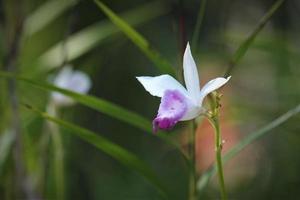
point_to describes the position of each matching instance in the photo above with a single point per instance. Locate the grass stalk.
(58, 150)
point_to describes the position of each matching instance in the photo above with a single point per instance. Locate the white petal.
(157, 85)
(62, 78)
(79, 82)
(72, 80)
(190, 73)
(192, 112)
(211, 86)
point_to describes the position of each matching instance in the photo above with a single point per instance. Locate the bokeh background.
(264, 85)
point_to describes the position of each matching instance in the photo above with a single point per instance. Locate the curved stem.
(193, 172)
(218, 149)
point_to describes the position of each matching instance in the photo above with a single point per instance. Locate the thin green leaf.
(6, 142)
(83, 41)
(241, 51)
(46, 13)
(138, 39)
(96, 103)
(117, 152)
(252, 137)
(102, 106)
(58, 153)
(198, 25)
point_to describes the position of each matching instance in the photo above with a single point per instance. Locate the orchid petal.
(80, 82)
(72, 80)
(157, 85)
(190, 73)
(192, 112)
(172, 108)
(63, 77)
(211, 86)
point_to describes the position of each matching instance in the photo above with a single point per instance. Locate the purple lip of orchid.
(179, 103)
(172, 108)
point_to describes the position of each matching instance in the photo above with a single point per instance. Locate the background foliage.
(88, 35)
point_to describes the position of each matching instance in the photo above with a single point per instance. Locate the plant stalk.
(58, 154)
(218, 149)
(193, 172)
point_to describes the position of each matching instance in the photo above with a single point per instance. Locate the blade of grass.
(102, 106)
(117, 152)
(90, 37)
(252, 137)
(58, 152)
(198, 25)
(96, 103)
(45, 14)
(242, 49)
(6, 142)
(162, 64)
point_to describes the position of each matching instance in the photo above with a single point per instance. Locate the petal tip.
(188, 45)
(163, 123)
(188, 49)
(141, 79)
(171, 110)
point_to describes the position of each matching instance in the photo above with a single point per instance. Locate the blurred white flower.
(70, 79)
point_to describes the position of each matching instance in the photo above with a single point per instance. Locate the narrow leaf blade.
(96, 103)
(45, 14)
(7, 139)
(138, 39)
(90, 37)
(117, 152)
(252, 137)
(102, 106)
(242, 49)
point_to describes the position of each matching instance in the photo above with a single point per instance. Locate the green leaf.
(96, 103)
(46, 13)
(6, 142)
(252, 137)
(242, 49)
(117, 152)
(138, 39)
(83, 41)
(198, 25)
(102, 106)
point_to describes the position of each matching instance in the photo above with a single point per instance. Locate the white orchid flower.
(70, 79)
(177, 102)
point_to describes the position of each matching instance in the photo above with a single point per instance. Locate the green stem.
(193, 172)
(252, 137)
(218, 149)
(58, 154)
